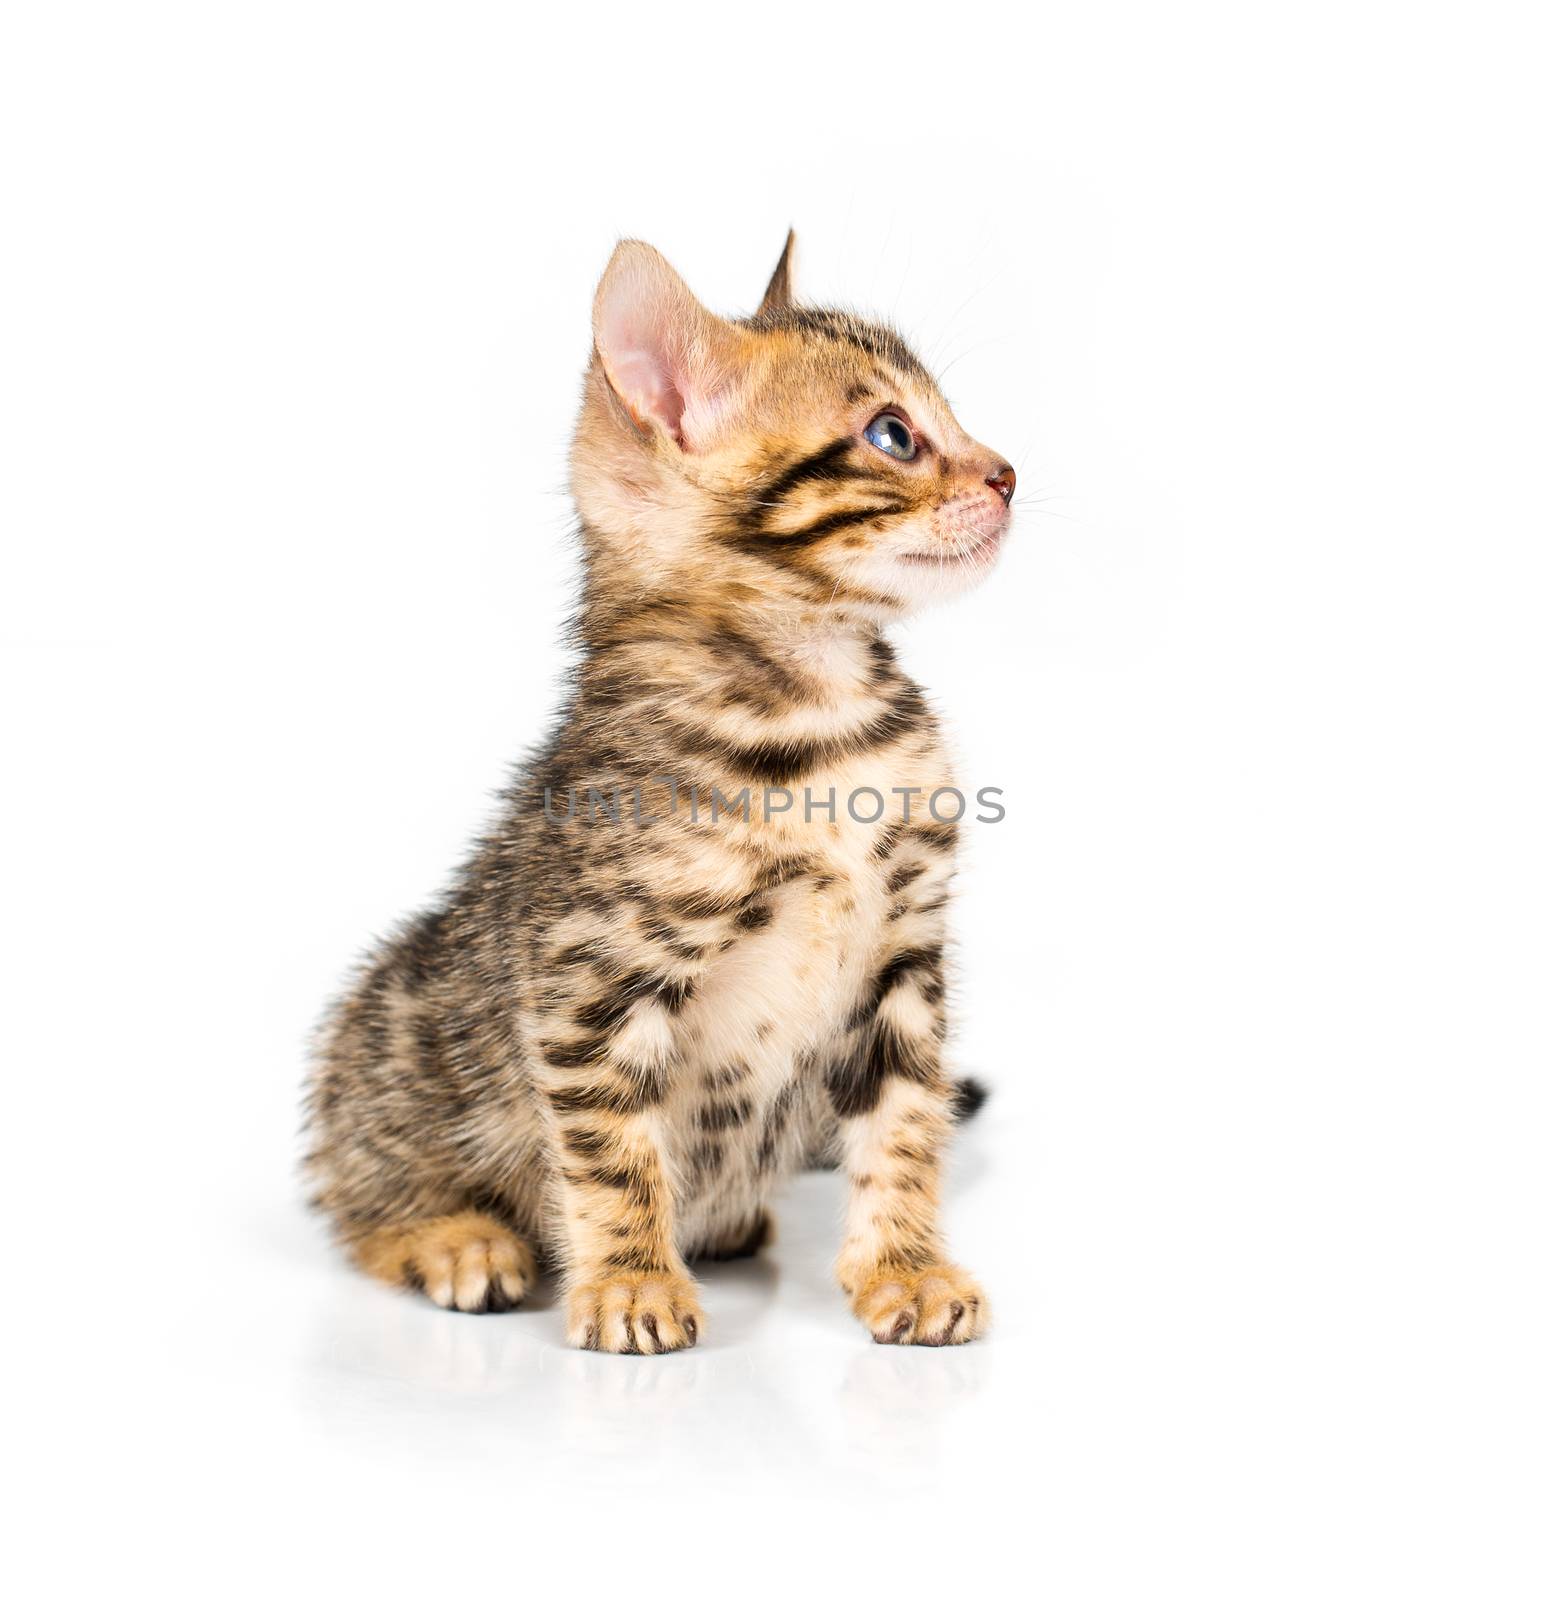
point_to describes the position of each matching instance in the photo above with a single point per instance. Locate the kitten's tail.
(969, 1094)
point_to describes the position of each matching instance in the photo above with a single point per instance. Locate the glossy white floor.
(1210, 1375)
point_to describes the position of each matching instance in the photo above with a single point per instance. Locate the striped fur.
(615, 1035)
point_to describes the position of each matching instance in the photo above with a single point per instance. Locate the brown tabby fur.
(614, 1037)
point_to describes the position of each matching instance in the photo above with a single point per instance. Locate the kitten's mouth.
(982, 550)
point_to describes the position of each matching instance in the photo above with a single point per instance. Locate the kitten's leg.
(893, 1265)
(823, 1151)
(466, 1261)
(895, 1108)
(603, 1067)
(628, 1288)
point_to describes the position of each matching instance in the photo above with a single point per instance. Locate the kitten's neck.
(831, 649)
(699, 646)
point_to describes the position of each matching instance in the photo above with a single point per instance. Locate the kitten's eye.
(891, 436)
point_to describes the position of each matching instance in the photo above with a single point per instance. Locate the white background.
(295, 309)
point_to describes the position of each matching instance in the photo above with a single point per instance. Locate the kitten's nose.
(1004, 481)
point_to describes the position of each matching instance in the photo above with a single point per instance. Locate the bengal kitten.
(620, 1030)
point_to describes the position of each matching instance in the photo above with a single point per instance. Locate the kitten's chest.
(767, 1022)
(790, 982)
(764, 1029)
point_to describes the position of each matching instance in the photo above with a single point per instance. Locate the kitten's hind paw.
(634, 1313)
(738, 1243)
(464, 1262)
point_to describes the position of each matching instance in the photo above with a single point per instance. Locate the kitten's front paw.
(634, 1313)
(939, 1304)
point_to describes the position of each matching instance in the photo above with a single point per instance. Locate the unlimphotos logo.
(864, 805)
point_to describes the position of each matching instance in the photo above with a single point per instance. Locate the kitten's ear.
(671, 362)
(778, 295)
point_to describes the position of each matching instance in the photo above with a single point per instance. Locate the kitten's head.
(799, 456)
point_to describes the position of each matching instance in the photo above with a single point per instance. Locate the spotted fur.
(618, 1033)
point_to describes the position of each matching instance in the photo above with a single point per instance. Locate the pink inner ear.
(642, 325)
(661, 351)
(642, 375)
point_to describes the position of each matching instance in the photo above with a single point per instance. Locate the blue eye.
(891, 436)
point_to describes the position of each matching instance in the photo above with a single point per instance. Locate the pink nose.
(1004, 481)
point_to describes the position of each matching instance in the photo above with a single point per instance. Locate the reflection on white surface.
(784, 1382)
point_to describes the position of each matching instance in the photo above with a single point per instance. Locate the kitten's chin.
(926, 576)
